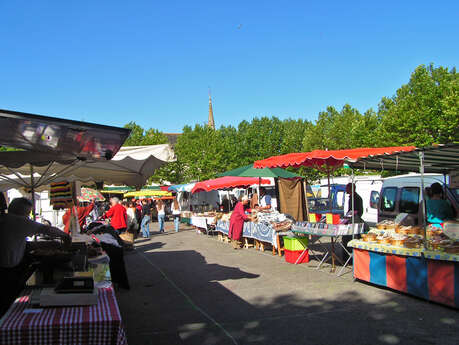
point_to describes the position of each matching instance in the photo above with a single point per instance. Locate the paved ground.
(191, 289)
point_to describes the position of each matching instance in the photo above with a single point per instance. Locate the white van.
(401, 194)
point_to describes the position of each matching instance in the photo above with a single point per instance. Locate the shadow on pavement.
(181, 300)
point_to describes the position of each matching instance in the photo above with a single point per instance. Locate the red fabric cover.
(83, 212)
(396, 272)
(362, 264)
(332, 158)
(440, 277)
(227, 182)
(164, 188)
(238, 217)
(118, 216)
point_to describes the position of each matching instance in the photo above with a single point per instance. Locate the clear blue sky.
(152, 62)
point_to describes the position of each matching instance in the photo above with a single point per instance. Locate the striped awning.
(437, 159)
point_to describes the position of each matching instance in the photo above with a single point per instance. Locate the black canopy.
(65, 138)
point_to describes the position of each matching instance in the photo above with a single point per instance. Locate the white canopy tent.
(131, 166)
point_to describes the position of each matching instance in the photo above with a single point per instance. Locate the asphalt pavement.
(189, 288)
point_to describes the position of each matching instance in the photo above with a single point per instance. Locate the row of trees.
(422, 112)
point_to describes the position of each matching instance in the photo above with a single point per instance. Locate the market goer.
(117, 214)
(238, 217)
(438, 209)
(14, 228)
(265, 200)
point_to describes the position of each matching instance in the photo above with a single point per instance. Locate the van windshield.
(409, 200)
(388, 198)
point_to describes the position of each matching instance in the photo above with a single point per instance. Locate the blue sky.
(152, 62)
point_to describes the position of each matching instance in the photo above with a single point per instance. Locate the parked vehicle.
(402, 194)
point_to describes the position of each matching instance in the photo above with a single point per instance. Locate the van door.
(370, 210)
(387, 204)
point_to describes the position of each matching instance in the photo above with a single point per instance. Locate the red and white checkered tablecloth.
(96, 325)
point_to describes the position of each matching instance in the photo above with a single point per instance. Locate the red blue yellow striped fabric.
(433, 280)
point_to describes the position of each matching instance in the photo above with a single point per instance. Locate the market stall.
(269, 227)
(327, 161)
(416, 259)
(84, 311)
(206, 221)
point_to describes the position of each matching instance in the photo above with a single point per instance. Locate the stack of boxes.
(294, 250)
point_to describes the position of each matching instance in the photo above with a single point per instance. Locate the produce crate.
(332, 218)
(295, 243)
(314, 217)
(292, 256)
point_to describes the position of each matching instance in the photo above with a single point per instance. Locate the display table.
(430, 275)
(98, 324)
(258, 231)
(185, 220)
(202, 222)
(335, 232)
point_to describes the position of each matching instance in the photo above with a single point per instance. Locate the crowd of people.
(132, 216)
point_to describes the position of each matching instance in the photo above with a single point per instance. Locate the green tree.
(424, 111)
(140, 137)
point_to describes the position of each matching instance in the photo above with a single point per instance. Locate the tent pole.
(352, 201)
(423, 199)
(32, 188)
(305, 186)
(331, 211)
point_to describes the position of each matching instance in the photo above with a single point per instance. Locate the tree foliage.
(139, 136)
(422, 112)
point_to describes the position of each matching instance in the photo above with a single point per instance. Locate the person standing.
(438, 209)
(265, 200)
(117, 214)
(238, 217)
(358, 212)
(161, 214)
(146, 216)
(131, 218)
(176, 213)
(14, 228)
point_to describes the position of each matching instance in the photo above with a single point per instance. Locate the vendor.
(238, 217)
(438, 209)
(265, 200)
(14, 228)
(117, 214)
(358, 212)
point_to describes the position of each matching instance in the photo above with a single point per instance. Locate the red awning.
(332, 158)
(227, 182)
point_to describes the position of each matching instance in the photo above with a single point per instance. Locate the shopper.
(146, 216)
(117, 214)
(161, 214)
(439, 209)
(132, 219)
(238, 217)
(176, 214)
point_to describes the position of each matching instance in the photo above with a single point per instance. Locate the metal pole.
(423, 199)
(32, 188)
(352, 202)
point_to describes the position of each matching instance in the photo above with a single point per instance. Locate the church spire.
(211, 122)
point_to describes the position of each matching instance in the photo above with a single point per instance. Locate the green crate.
(295, 243)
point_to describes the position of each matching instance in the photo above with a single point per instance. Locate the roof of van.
(411, 180)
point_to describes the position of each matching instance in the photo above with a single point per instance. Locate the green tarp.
(250, 171)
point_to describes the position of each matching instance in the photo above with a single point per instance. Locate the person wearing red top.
(118, 215)
(238, 217)
(82, 213)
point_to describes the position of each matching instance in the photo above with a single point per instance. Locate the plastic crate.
(295, 243)
(314, 217)
(292, 256)
(333, 218)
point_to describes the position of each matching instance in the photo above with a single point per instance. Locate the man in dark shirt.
(146, 216)
(358, 212)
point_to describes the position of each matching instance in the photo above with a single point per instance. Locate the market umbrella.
(187, 187)
(328, 161)
(250, 171)
(226, 182)
(89, 194)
